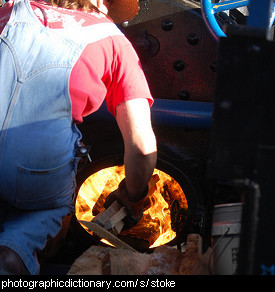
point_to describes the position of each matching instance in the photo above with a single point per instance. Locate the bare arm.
(134, 120)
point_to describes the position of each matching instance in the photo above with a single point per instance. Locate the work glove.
(134, 209)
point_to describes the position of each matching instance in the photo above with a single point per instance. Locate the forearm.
(139, 168)
(140, 155)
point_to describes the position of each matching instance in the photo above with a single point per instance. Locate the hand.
(134, 209)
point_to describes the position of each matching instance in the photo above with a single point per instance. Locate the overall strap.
(22, 12)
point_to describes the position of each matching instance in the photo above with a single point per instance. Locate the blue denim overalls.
(38, 139)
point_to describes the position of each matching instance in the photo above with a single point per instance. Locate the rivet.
(167, 24)
(184, 94)
(179, 65)
(213, 66)
(192, 39)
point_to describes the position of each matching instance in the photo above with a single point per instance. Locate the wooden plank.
(116, 218)
(103, 233)
(104, 217)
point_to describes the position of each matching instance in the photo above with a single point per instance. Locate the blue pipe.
(185, 114)
(168, 112)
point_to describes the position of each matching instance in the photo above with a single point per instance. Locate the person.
(59, 60)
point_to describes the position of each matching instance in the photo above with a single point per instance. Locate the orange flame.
(155, 225)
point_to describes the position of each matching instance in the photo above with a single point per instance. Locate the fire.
(155, 225)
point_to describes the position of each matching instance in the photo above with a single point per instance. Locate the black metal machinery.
(243, 144)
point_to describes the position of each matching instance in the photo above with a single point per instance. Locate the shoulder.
(75, 24)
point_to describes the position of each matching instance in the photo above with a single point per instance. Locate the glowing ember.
(155, 225)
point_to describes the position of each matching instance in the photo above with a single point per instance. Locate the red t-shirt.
(108, 68)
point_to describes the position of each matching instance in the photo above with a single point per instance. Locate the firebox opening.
(155, 225)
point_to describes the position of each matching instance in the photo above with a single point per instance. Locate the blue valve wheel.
(209, 10)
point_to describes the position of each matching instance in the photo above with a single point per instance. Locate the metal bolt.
(167, 24)
(213, 66)
(192, 39)
(184, 94)
(179, 65)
